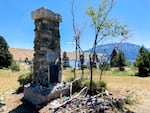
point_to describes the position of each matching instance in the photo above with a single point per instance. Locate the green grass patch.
(129, 100)
(115, 72)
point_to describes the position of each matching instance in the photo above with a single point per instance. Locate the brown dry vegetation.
(118, 83)
(8, 79)
(23, 53)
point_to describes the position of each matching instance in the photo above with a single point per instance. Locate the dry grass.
(116, 81)
(119, 83)
(8, 79)
(124, 84)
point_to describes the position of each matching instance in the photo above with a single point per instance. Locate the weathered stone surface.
(37, 94)
(46, 13)
(46, 44)
(47, 64)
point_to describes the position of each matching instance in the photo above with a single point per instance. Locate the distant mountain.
(130, 50)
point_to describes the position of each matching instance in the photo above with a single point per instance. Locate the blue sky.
(16, 24)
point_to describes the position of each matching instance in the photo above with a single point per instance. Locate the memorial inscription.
(52, 56)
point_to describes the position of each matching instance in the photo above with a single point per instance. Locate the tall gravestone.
(46, 83)
(47, 47)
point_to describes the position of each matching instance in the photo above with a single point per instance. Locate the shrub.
(93, 89)
(69, 78)
(72, 70)
(77, 85)
(104, 66)
(14, 66)
(30, 62)
(84, 82)
(24, 79)
(128, 100)
(121, 68)
(102, 86)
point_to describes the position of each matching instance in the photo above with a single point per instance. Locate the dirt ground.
(136, 87)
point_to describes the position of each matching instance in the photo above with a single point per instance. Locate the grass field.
(9, 79)
(119, 83)
(116, 80)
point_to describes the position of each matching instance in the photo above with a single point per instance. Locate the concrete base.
(36, 97)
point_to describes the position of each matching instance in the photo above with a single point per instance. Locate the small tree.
(5, 56)
(113, 58)
(118, 59)
(121, 61)
(65, 60)
(104, 27)
(143, 62)
(14, 66)
(26, 60)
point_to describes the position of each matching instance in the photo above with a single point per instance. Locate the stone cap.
(44, 13)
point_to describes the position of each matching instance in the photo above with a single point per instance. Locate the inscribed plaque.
(52, 56)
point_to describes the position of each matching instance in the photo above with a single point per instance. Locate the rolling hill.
(21, 54)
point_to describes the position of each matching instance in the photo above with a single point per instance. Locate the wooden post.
(91, 77)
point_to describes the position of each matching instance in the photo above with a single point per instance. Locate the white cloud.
(71, 43)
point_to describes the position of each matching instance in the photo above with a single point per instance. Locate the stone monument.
(47, 47)
(46, 83)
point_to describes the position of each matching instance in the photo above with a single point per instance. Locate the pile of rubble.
(101, 103)
(3, 96)
(3, 107)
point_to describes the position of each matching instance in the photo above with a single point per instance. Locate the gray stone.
(46, 13)
(47, 62)
(39, 95)
(46, 43)
(91, 104)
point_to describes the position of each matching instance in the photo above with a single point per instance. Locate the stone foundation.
(39, 95)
